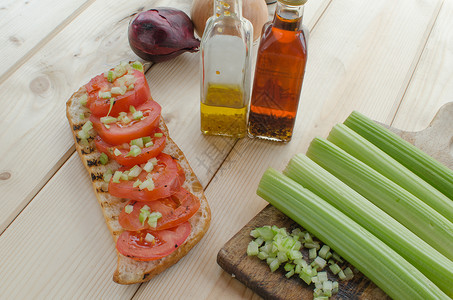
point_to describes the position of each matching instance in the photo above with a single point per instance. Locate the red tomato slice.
(129, 161)
(133, 244)
(175, 210)
(100, 106)
(118, 133)
(164, 174)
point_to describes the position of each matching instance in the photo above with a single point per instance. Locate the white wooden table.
(391, 60)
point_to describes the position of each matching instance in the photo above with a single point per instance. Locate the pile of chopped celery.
(282, 249)
(361, 191)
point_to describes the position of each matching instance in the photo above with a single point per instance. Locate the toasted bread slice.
(130, 271)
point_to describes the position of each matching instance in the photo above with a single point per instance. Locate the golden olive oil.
(224, 112)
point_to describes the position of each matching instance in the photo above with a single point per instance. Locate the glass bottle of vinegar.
(279, 73)
(225, 71)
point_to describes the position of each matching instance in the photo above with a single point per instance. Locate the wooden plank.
(35, 115)
(432, 82)
(20, 21)
(349, 35)
(60, 247)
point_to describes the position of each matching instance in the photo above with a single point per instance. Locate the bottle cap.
(293, 2)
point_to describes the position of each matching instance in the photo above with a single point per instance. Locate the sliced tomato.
(129, 161)
(175, 210)
(165, 177)
(135, 97)
(118, 133)
(133, 244)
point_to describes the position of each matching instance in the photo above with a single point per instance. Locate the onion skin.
(161, 34)
(253, 10)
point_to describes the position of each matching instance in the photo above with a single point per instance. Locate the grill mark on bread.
(95, 177)
(77, 127)
(88, 151)
(100, 190)
(93, 162)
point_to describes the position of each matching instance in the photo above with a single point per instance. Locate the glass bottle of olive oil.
(225, 71)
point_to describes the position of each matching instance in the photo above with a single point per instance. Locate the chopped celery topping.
(134, 151)
(137, 66)
(83, 99)
(279, 248)
(103, 159)
(128, 209)
(137, 142)
(137, 115)
(105, 95)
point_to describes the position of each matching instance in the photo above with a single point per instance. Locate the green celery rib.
(356, 145)
(407, 209)
(428, 168)
(386, 268)
(425, 258)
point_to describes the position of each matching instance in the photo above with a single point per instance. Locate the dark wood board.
(436, 140)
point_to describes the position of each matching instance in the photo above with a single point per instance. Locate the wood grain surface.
(435, 140)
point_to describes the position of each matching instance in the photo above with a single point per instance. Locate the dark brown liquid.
(279, 73)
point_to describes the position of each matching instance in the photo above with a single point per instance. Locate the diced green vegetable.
(137, 142)
(124, 176)
(323, 251)
(407, 209)
(144, 214)
(105, 95)
(428, 168)
(365, 151)
(117, 176)
(108, 120)
(118, 90)
(128, 209)
(158, 134)
(147, 184)
(335, 268)
(107, 175)
(112, 101)
(103, 158)
(137, 66)
(117, 152)
(137, 115)
(430, 262)
(153, 218)
(135, 171)
(146, 139)
(134, 151)
(149, 238)
(137, 183)
(83, 99)
(252, 248)
(149, 166)
(386, 268)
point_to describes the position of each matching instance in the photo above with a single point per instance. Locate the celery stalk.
(428, 168)
(360, 148)
(386, 268)
(407, 209)
(430, 262)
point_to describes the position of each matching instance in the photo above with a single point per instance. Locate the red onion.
(160, 34)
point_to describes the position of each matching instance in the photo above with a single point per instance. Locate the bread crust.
(130, 271)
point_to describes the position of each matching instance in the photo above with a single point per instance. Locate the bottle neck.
(228, 8)
(288, 17)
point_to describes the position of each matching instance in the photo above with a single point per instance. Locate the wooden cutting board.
(436, 140)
